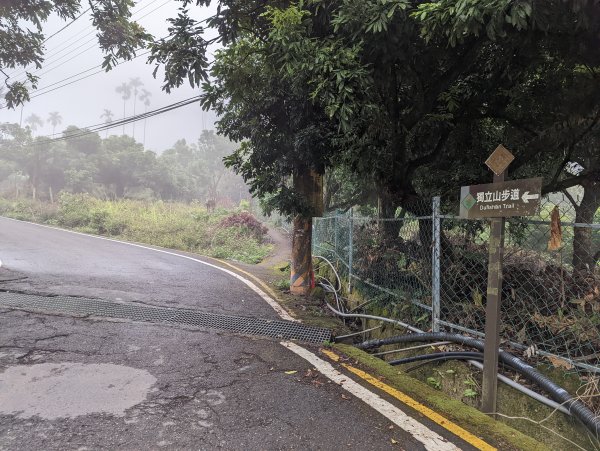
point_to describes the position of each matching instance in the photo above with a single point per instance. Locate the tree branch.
(562, 185)
(530, 144)
(413, 165)
(568, 196)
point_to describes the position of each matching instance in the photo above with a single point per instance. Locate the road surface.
(90, 383)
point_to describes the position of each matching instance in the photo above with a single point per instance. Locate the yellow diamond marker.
(499, 160)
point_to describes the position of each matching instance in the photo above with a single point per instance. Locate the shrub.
(76, 210)
(247, 223)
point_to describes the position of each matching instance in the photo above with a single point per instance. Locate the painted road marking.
(253, 277)
(422, 409)
(430, 439)
(280, 310)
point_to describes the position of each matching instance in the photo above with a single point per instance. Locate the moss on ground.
(496, 433)
(310, 310)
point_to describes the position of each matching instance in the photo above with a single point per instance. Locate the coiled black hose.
(559, 394)
(438, 356)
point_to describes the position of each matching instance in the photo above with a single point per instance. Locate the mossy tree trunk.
(584, 253)
(309, 184)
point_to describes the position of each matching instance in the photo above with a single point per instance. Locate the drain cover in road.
(280, 329)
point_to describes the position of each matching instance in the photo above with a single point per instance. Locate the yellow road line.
(332, 355)
(424, 410)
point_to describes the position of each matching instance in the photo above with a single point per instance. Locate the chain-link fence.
(430, 269)
(386, 261)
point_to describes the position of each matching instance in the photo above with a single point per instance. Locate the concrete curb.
(501, 435)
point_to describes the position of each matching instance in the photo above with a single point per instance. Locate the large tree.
(401, 89)
(125, 90)
(124, 164)
(388, 88)
(134, 84)
(54, 118)
(285, 143)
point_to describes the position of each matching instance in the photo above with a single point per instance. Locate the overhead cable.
(50, 61)
(96, 128)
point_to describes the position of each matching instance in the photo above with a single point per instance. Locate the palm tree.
(54, 118)
(145, 98)
(125, 90)
(107, 116)
(34, 122)
(134, 84)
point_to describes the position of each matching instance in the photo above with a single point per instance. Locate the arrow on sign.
(527, 197)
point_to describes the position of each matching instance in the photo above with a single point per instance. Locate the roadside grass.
(187, 227)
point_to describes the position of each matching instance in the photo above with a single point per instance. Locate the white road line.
(280, 311)
(430, 439)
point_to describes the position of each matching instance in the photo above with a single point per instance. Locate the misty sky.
(83, 102)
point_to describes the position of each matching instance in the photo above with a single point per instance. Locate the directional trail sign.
(503, 199)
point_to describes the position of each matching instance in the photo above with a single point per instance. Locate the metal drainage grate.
(285, 330)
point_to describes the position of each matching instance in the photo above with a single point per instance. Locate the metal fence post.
(335, 235)
(350, 249)
(435, 266)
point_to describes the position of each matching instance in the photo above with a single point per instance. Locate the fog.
(82, 102)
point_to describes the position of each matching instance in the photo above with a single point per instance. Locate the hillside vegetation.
(232, 234)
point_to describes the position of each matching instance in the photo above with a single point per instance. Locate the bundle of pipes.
(562, 400)
(573, 405)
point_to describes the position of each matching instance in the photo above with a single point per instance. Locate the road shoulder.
(494, 432)
(499, 434)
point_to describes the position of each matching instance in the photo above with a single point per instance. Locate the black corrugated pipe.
(559, 394)
(438, 356)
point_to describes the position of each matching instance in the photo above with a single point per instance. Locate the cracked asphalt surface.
(213, 390)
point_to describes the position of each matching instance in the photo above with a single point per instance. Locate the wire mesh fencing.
(386, 261)
(430, 269)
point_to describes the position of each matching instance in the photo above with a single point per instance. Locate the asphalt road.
(84, 383)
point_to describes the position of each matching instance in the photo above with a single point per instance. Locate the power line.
(68, 78)
(51, 61)
(17, 73)
(45, 90)
(89, 30)
(66, 26)
(52, 65)
(71, 41)
(150, 12)
(96, 128)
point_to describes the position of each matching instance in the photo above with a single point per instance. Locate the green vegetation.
(115, 167)
(391, 101)
(231, 234)
(497, 433)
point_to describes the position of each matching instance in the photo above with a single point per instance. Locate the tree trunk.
(51, 194)
(386, 209)
(583, 246)
(145, 120)
(310, 184)
(34, 186)
(134, 102)
(119, 190)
